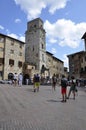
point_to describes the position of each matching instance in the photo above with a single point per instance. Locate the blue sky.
(64, 22)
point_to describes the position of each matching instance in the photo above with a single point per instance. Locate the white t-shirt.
(15, 76)
(20, 77)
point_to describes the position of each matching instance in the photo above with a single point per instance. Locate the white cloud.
(65, 60)
(1, 27)
(52, 40)
(7, 31)
(53, 51)
(21, 38)
(17, 21)
(13, 35)
(65, 32)
(56, 4)
(33, 8)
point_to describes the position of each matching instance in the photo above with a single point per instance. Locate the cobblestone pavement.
(22, 109)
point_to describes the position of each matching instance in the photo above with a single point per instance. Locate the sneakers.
(64, 101)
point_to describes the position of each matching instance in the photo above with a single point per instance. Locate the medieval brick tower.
(35, 51)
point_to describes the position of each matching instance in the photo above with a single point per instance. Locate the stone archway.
(26, 77)
(10, 76)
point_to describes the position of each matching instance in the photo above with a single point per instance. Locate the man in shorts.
(36, 83)
(64, 88)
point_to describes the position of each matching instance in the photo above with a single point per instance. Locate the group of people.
(17, 79)
(72, 89)
(64, 84)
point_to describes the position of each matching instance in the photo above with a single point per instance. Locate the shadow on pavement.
(52, 100)
(29, 90)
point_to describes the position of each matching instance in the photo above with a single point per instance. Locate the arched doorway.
(10, 76)
(25, 78)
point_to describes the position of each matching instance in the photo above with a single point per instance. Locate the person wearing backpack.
(64, 88)
(72, 87)
(36, 82)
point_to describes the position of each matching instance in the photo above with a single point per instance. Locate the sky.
(64, 23)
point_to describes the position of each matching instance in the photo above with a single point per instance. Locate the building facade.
(29, 57)
(12, 56)
(77, 64)
(66, 73)
(35, 51)
(55, 65)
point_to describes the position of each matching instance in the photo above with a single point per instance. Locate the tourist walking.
(15, 79)
(54, 82)
(64, 89)
(36, 81)
(20, 79)
(72, 87)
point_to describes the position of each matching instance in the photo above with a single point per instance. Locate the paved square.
(22, 109)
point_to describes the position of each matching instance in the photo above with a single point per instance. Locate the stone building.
(35, 51)
(29, 57)
(77, 64)
(55, 65)
(12, 56)
(66, 73)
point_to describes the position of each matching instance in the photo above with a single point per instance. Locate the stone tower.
(35, 51)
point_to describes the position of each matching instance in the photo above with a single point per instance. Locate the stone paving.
(22, 109)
